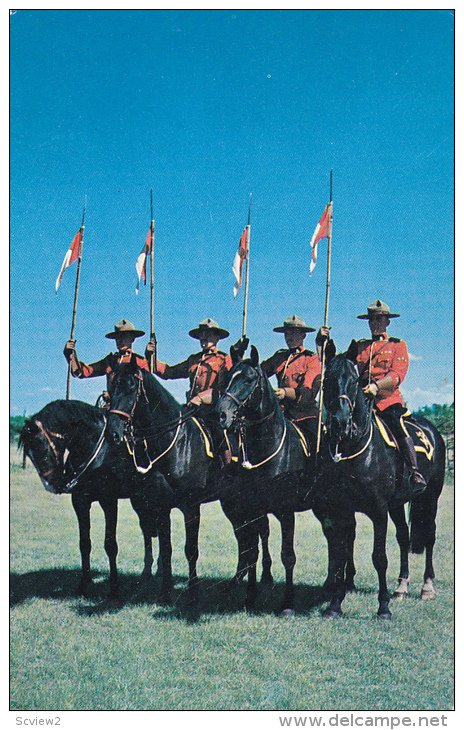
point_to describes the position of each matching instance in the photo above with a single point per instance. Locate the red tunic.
(299, 369)
(107, 364)
(205, 371)
(376, 359)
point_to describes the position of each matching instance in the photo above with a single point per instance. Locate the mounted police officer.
(298, 373)
(206, 370)
(383, 362)
(124, 334)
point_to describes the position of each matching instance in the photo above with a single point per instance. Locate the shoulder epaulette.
(220, 352)
(394, 339)
(362, 341)
(308, 352)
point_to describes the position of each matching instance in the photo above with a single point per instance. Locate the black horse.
(163, 437)
(275, 472)
(65, 442)
(364, 474)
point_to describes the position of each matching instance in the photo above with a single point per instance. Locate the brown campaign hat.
(377, 307)
(294, 322)
(207, 326)
(124, 326)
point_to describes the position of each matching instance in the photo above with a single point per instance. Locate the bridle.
(242, 420)
(239, 416)
(130, 416)
(351, 429)
(129, 435)
(49, 435)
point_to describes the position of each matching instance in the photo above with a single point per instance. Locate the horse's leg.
(350, 571)
(428, 592)
(110, 508)
(146, 520)
(192, 526)
(287, 524)
(402, 538)
(251, 539)
(263, 527)
(337, 532)
(163, 523)
(379, 559)
(246, 531)
(81, 503)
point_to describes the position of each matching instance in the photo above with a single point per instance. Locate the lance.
(76, 294)
(326, 318)
(152, 283)
(247, 258)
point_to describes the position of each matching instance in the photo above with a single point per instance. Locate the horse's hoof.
(287, 612)
(384, 615)
(350, 588)
(428, 595)
(399, 595)
(331, 613)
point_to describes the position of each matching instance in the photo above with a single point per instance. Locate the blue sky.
(205, 107)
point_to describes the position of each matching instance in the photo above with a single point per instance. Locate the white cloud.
(418, 397)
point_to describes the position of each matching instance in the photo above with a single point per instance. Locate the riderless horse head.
(61, 441)
(243, 399)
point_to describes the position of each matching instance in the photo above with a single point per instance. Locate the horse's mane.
(262, 374)
(156, 391)
(339, 364)
(60, 412)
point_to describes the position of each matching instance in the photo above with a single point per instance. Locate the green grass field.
(69, 653)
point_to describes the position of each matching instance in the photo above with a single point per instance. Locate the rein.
(48, 435)
(145, 470)
(131, 440)
(71, 484)
(244, 421)
(337, 456)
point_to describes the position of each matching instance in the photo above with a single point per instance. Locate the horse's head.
(125, 389)
(244, 393)
(46, 449)
(341, 384)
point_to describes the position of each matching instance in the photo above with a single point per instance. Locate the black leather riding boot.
(407, 449)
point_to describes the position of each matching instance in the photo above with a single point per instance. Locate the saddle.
(422, 444)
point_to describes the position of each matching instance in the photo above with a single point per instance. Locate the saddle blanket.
(422, 444)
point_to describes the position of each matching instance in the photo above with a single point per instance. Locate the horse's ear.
(254, 356)
(352, 351)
